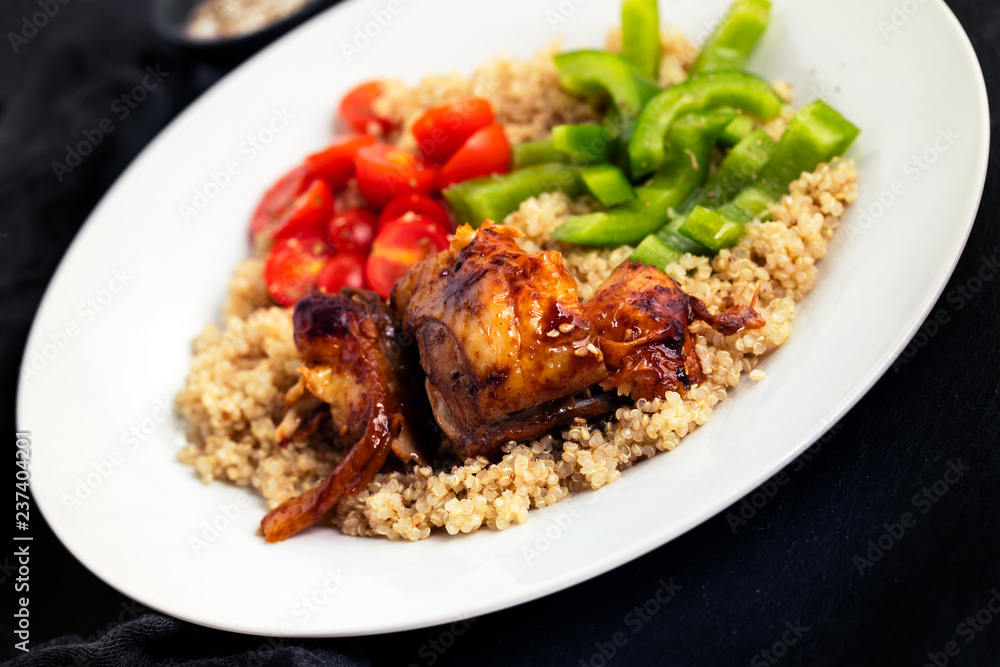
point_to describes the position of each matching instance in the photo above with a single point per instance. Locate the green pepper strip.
(690, 144)
(596, 72)
(739, 168)
(740, 90)
(608, 184)
(816, 134)
(656, 252)
(641, 45)
(582, 144)
(539, 151)
(496, 197)
(730, 45)
(712, 230)
(618, 128)
(736, 131)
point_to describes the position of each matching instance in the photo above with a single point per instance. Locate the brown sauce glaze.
(640, 319)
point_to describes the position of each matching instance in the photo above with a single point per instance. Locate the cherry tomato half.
(416, 203)
(356, 109)
(335, 164)
(399, 246)
(292, 268)
(351, 232)
(384, 172)
(341, 271)
(442, 130)
(486, 152)
(308, 214)
(277, 200)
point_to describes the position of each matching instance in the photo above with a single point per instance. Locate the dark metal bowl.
(169, 18)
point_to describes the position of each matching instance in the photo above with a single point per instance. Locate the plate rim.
(623, 555)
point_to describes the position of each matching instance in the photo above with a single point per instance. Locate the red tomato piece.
(486, 152)
(308, 215)
(341, 271)
(277, 200)
(356, 109)
(442, 130)
(416, 203)
(351, 232)
(399, 246)
(335, 165)
(384, 172)
(292, 268)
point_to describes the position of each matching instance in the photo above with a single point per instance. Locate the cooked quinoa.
(233, 399)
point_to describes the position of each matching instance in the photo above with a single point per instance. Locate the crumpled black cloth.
(154, 639)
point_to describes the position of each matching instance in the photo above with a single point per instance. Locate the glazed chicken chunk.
(503, 340)
(355, 371)
(640, 319)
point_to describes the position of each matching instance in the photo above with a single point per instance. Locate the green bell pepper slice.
(690, 142)
(736, 131)
(628, 223)
(596, 72)
(582, 144)
(712, 230)
(739, 169)
(608, 184)
(746, 92)
(641, 45)
(656, 252)
(671, 236)
(538, 151)
(730, 45)
(816, 134)
(496, 197)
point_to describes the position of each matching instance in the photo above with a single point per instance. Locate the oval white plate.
(111, 341)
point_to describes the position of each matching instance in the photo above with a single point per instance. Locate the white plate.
(911, 81)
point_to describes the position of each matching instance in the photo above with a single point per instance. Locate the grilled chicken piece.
(639, 319)
(355, 363)
(503, 340)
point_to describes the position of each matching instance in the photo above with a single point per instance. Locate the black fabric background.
(791, 566)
